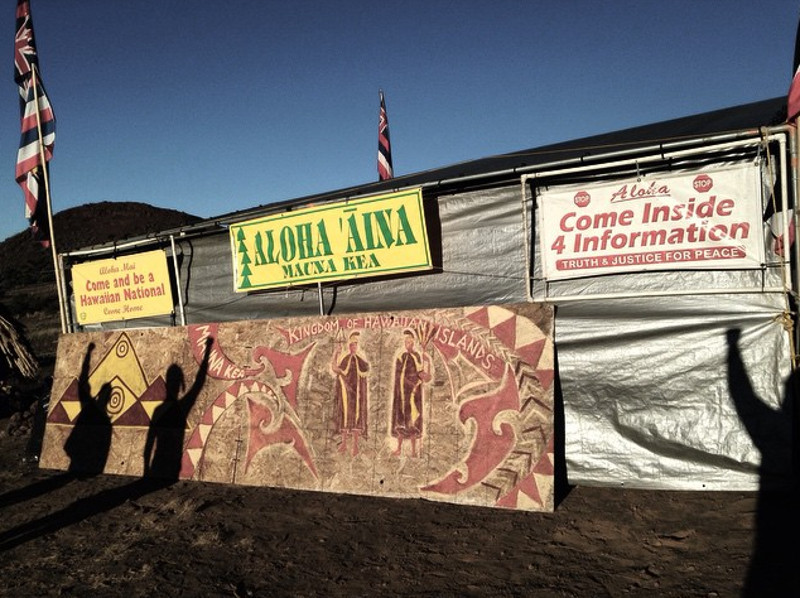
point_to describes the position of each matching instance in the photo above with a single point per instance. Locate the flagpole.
(46, 179)
(795, 149)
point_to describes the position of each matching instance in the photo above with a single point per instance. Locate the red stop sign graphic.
(702, 183)
(582, 199)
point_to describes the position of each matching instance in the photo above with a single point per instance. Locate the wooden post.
(46, 179)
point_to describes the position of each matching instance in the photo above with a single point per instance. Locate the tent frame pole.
(181, 310)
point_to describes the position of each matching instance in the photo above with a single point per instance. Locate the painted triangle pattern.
(193, 452)
(528, 493)
(520, 335)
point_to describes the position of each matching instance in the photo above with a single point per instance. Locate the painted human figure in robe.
(411, 371)
(351, 408)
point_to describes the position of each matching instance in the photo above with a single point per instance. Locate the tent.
(669, 377)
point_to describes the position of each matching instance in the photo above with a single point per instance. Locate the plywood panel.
(452, 405)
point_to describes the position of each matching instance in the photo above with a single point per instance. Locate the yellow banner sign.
(123, 288)
(378, 235)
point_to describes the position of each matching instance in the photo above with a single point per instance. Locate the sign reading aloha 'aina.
(377, 235)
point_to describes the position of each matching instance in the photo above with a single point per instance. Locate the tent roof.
(751, 116)
(506, 167)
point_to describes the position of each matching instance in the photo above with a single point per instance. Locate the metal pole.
(65, 295)
(736, 291)
(177, 280)
(783, 220)
(527, 234)
(794, 145)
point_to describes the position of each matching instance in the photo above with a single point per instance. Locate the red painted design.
(489, 448)
(267, 430)
(220, 366)
(506, 332)
(528, 486)
(59, 415)
(285, 364)
(451, 342)
(155, 392)
(270, 422)
(545, 378)
(480, 317)
(135, 415)
(531, 354)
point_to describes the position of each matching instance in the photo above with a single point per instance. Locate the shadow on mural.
(452, 405)
(88, 445)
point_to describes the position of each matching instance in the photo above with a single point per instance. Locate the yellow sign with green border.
(370, 236)
(122, 288)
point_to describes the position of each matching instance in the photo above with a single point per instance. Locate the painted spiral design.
(116, 402)
(122, 348)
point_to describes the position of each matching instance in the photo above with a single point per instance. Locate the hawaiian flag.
(384, 148)
(36, 115)
(793, 103)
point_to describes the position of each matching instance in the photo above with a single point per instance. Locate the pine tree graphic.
(244, 261)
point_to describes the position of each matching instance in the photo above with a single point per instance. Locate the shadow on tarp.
(773, 567)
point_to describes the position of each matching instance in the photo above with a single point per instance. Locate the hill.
(23, 261)
(27, 279)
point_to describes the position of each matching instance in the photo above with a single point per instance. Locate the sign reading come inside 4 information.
(378, 235)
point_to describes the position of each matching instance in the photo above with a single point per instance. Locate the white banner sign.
(704, 219)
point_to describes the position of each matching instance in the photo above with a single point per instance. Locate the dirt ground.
(117, 536)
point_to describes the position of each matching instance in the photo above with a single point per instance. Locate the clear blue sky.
(210, 107)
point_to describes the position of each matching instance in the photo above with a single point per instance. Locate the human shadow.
(87, 446)
(90, 439)
(38, 488)
(78, 511)
(773, 567)
(163, 453)
(163, 449)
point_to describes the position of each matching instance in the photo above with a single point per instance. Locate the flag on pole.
(793, 102)
(384, 148)
(38, 125)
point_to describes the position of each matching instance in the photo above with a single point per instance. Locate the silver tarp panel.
(658, 391)
(651, 388)
(482, 263)
(650, 383)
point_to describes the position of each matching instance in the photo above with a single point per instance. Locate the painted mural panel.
(451, 405)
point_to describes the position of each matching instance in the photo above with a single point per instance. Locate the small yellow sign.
(377, 235)
(123, 288)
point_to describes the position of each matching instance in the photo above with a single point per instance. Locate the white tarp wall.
(675, 379)
(649, 379)
(650, 398)
(476, 244)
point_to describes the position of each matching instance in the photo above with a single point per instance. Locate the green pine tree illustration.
(244, 261)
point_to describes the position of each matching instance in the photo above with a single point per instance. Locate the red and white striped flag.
(384, 147)
(38, 125)
(793, 101)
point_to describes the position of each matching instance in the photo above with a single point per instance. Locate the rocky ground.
(115, 536)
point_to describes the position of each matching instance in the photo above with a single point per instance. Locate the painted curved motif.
(270, 422)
